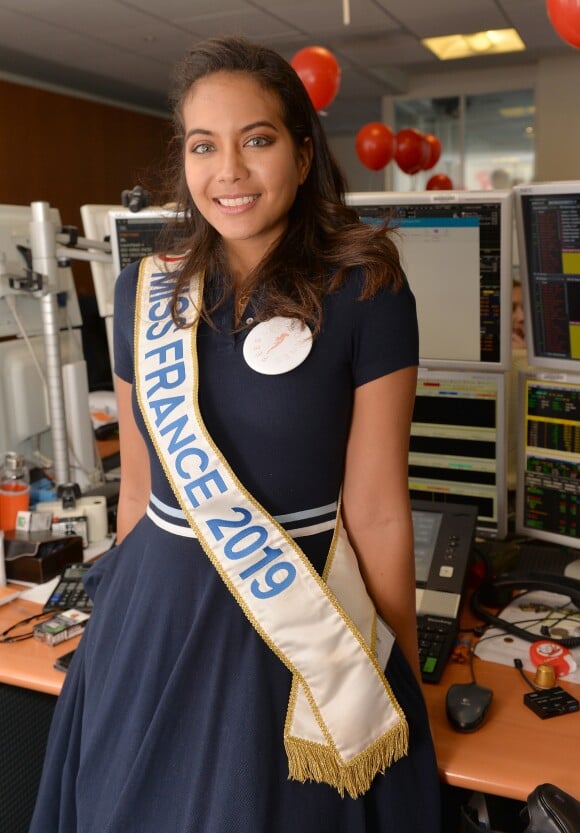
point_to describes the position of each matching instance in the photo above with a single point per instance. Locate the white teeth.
(231, 203)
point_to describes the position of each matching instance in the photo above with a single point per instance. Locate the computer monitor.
(14, 233)
(548, 488)
(131, 235)
(136, 234)
(456, 250)
(548, 222)
(458, 448)
(96, 227)
(25, 422)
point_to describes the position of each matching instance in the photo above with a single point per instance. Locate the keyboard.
(437, 637)
(536, 557)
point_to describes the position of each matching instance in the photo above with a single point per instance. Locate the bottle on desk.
(14, 489)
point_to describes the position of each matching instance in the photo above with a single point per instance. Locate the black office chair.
(548, 809)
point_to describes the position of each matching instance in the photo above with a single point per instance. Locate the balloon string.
(346, 12)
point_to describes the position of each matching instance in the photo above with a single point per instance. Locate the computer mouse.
(467, 705)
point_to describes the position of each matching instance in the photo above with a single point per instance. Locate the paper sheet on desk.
(40, 592)
(532, 611)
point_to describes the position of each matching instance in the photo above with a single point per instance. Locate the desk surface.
(510, 755)
(29, 663)
(514, 750)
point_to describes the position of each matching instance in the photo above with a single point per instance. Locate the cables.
(518, 664)
(20, 637)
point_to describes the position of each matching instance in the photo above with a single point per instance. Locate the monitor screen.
(458, 450)
(426, 526)
(130, 235)
(548, 222)
(456, 250)
(548, 488)
(135, 234)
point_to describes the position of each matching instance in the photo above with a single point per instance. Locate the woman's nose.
(232, 167)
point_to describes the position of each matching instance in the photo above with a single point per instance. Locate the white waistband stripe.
(174, 511)
(308, 513)
(175, 529)
(184, 529)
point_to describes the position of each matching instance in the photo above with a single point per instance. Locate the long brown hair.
(324, 238)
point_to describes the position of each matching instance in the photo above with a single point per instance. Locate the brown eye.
(258, 141)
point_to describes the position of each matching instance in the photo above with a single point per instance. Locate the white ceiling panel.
(248, 22)
(390, 50)
(35, 37)
(326, 16)
(183, 9)
(531, 20)
(72, 14)
(165, 44)
(447, 18)
(124, 48)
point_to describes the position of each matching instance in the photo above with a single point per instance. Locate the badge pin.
(277, 346)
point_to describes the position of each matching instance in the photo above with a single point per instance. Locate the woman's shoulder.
(379, 332)
(126, 283)
(354, 290)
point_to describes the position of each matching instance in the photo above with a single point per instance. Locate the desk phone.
(443, 534)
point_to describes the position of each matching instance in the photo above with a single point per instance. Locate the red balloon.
(375, 145)
(439, 182)
(412, 150)
(565, 18)
(434, 151)
(320, 73)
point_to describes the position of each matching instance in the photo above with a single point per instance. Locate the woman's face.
(241, 164)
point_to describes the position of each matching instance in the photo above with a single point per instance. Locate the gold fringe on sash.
(309, 761)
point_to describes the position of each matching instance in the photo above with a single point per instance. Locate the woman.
(265, 379)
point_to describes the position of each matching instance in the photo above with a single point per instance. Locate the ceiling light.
(519, 112)
(490, 42)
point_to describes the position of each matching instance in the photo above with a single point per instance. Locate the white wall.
(558, 119)
(556, 82)
(359, 177)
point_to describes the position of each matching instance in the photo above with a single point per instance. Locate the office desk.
(28, 685)
(29, 664)
(510, 755)
(514, 750)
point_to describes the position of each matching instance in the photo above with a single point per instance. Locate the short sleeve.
(385, 334)
(123, 321)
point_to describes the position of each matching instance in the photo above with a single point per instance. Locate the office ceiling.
(123, 50)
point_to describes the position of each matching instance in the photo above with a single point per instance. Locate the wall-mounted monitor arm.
(83, 249)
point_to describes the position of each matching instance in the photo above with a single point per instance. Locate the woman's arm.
(376, 505)
(135, 473)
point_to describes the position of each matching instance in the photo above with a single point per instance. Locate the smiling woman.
(251, 660)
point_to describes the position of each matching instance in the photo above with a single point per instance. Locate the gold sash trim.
(343, 725)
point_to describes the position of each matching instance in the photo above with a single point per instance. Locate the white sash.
(343, 724)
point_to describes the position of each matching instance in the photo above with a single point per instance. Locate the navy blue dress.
(171, 717)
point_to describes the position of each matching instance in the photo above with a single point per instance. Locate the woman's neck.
(242, 261)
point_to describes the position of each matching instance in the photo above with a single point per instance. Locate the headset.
(499, 592)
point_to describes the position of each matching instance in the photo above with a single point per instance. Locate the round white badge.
(277, 346)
